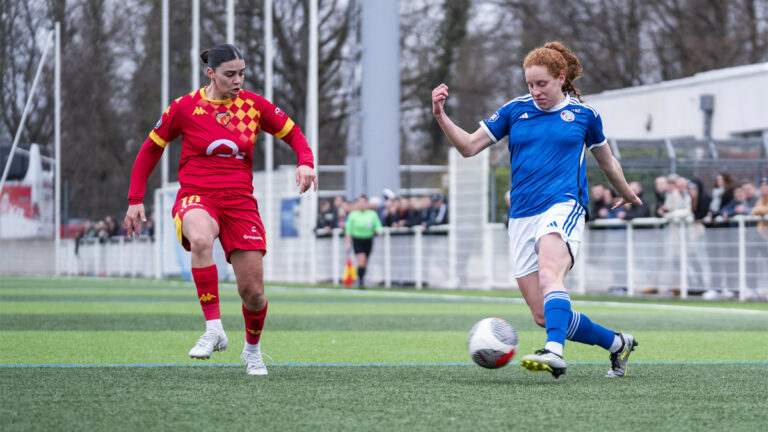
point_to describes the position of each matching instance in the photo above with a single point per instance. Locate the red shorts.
(236, 213)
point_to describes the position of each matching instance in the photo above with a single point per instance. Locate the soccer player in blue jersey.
(549, 131)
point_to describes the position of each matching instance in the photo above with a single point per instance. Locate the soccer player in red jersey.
(218, 125)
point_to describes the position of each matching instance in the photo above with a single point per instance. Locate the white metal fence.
(644, 256)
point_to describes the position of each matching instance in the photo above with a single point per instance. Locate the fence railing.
(647, 256)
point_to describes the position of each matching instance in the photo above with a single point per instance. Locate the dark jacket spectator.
(634, 211)
(327, 216)
(438, 211)
(700, 199)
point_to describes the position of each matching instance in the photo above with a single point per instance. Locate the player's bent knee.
(200, 242)
(253, 296)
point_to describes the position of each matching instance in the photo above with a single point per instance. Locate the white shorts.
(566, 218)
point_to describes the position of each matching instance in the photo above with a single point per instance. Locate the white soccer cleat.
(254, 364)
(544, 360)
(208, 343)
(619, 358)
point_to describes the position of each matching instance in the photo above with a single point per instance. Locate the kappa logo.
(524, 116)
(207, 297)
(253, 229)
(223, 118)
(198, 111)
(254, 332)
(567, 115)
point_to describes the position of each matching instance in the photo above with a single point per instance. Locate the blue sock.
(557, 314)
(582, 329)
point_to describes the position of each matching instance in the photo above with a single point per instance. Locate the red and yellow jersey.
(217, 141)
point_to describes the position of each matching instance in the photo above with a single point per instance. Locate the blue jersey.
(546, 151)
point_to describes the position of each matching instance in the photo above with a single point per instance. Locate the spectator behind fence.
(722, 192)
(737, 206)
(751, 195)
(700, 200)
(761, 209)
(660, 185)
(699, 268)
(634, 210)
(437, 213)
(327, 217)
(112, 228)
(609, 200)
(678, 202)
(596, 194)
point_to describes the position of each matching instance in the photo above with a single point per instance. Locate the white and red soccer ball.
(492, 343)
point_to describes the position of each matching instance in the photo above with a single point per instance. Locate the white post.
(164, 88)
(488, 256)
(159, 231)
(387, 257)
(57, 149)
(230, 21)
(312, 114)
(742, 233)
(418, 255)
(683, 231)
(335, 253)
(195, 51)
(452, 226)
(581, 263)
(25, 112)
(269, 141)
(122, 269)
(630, 259)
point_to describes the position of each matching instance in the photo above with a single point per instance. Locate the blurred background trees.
(111, 67)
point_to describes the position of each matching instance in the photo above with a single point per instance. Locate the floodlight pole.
(164, 87)
(194, 52)
(269, 140)
(231, 21)
(57, 150)
(312, 115)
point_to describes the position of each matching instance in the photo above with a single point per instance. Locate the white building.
(675, 108)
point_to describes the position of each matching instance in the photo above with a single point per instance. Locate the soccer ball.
(492, 343)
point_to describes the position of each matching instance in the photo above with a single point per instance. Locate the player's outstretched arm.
(149, 154)
(467, 144)
(612, 169)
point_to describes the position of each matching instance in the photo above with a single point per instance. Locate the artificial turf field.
(111, 354)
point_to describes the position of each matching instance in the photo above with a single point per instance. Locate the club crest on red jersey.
(223, 118)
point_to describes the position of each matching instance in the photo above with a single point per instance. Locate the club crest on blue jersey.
(567, 116)
(223, 118)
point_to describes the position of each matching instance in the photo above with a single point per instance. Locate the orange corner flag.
(350, 273)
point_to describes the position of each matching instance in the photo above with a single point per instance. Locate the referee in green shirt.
(362, 223)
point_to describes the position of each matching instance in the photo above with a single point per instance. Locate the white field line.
(489, 299)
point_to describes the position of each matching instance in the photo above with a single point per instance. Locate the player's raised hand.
(305, 177)
(134, 218)
(439, 95)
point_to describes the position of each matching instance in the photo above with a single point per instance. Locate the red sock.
(207, 283)
(254, 323)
